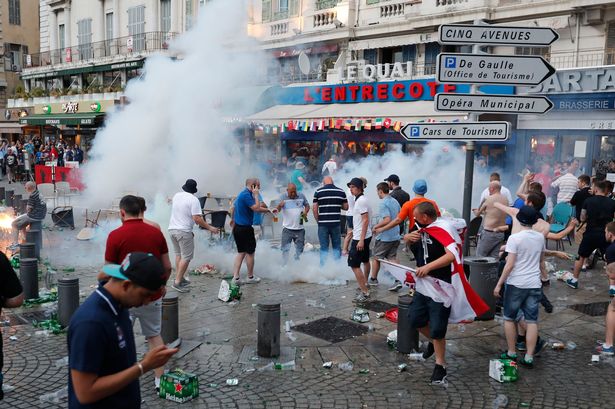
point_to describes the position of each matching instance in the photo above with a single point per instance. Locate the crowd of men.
(104, 369)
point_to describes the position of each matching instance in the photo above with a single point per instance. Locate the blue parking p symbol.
(415, 131)
(450, 62)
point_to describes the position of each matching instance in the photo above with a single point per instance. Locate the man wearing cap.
(396, 191)
(185, 212)
(247, 203)
(102, 357)
(11, 296)
(361, 237)
(134, 235)
(523, 289)
(298, 177)
(407, 212)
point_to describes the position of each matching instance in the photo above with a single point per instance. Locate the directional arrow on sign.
(503, 35)
(509, 104)
(466, 131)
(492, 69)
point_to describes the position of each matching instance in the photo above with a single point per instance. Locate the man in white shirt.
(523, 289)
(567, 183)
(185, 212)
(495, 177)
(329, 167)
(294, 208)
(361, 237)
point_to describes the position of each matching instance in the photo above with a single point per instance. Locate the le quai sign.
(376, 72)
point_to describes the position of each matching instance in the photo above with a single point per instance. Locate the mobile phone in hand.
(174, 344)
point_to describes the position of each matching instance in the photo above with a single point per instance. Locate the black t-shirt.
(400, 195)
(600, 211)
(434, 250)
(578, 199)
(10, 286)
(610, 253)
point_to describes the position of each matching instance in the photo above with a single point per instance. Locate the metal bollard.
(407, 337)
(36, 225)
(170, 318)
(68, 299)
(35, 236)
(27, 250)
(23, 206)
(2, 192)
(268, 344)
(28, 274)
(16, 201)
(8, 197)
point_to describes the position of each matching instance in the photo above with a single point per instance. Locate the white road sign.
(466, 131)
(513, 104)
(492, 69)
(502, 35)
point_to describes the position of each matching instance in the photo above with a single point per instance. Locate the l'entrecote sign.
(577, 80)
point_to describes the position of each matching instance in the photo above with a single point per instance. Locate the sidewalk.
(560, 379)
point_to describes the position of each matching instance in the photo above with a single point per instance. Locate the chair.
(202, 201)
(475, 224)
(268, 222)
(47, 192)
(64, 191)
(218, 219)
(560, 217)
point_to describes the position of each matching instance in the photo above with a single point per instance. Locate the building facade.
(327, 43)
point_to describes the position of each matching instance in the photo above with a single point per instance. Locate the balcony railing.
(326, 4)
(450, 2)
(146, 42)
(587, 59)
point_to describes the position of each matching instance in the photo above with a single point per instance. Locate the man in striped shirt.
(35, 211)
(567, 184)
(329, 201)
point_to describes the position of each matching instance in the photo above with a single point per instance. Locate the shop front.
(581, 124)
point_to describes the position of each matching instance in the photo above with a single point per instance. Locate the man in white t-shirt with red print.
(361, 237)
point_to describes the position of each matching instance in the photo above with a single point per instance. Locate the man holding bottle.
(294, 208)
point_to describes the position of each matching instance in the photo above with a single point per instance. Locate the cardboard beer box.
(179, 386)
(503, 370)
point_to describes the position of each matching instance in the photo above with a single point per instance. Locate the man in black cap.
(399, 194)
(185, 212)
(102, 357)
(523, 289)
(361, 237)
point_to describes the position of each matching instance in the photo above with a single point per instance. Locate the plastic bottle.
(416, 356)
(570, 345)
(55, 397)
(500, 401)
(346, 366)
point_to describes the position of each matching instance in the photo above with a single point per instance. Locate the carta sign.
(392, 91)
(577, 80)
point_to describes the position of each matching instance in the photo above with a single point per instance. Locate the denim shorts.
(424, 311)
(526, 300)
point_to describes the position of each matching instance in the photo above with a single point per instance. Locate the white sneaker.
(253, 280)
(236, 281)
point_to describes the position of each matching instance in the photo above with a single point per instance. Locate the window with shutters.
(431, 54)
(136, 27)
(609, 47)
(266, 11)
(61, 36)
(189, 14)
(84, 38)
(165, 16)
(14, 12)
(108, 33)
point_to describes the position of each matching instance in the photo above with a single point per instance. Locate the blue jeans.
(329, 231)
(525, 300)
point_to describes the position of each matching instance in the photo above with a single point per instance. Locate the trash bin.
(483, 276)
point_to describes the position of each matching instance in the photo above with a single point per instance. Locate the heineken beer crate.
(179, 386)
(503, 370)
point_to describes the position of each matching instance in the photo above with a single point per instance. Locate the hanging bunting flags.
(387, 123)
(332, 123)
(348, 124)
(357, 125)
(397, 126)
(338, 123)
(367, 125)
(378, 123)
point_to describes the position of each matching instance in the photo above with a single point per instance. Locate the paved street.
(227, 333)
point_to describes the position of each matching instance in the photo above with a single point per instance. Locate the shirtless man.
(491, 236)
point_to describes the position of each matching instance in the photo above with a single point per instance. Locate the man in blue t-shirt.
(387, 242)
(242, 217)
(102, 358)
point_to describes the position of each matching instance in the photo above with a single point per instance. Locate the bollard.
(36, 225)
(27, 250)
(2, 192)
(28, 274)
(170, 317)
(68, 299)
(8, 197)
(268, 344)
(407, 337)
(35, 236)
(23, 206)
